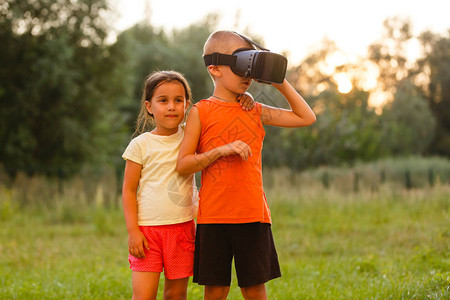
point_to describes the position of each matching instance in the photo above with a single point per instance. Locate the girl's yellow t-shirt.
(164, 197)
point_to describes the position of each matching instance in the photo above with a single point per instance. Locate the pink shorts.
(171, 249)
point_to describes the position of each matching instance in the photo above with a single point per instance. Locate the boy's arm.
(300, 114)
(189, 162)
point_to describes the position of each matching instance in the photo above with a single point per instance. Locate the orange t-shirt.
(232, 189)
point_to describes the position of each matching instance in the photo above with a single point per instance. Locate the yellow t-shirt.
(164, 197)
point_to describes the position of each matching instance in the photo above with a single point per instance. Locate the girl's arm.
(136, 240)
(189, 162)
(300, 114)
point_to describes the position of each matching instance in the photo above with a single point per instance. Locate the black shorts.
(251, 245)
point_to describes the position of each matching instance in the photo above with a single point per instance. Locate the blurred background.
(72, 71)
(360, 199)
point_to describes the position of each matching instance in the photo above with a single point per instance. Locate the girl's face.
(168, 106)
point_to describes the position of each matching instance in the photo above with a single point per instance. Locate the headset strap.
(251, 42)
(219, 59)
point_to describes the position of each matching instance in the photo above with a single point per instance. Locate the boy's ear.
(214, 70)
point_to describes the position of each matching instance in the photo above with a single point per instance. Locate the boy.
(225, 142)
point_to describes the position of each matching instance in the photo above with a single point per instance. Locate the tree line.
(69, 98)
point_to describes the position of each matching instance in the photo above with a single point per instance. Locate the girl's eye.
(179, 100)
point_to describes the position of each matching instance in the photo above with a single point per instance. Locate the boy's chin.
(243, 89)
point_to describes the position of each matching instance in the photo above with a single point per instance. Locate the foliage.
(433, 76)
(150, 49)
(56, 94)
(69, 99)
(390, 53)
(409, 122)
(347, 128)
(430, 74)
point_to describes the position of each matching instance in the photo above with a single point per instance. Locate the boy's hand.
(137, 243)
(237, 147)
(246, 101)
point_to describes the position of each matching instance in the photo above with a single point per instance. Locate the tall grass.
(67, 240)
(390, 173)
(64, 200)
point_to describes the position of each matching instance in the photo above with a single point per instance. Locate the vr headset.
(261, 65)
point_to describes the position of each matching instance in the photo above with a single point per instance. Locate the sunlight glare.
(344, 83)
(378, 99)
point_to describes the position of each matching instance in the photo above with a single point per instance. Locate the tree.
(408, 124)
(188, 57)
(55, 85)
(152, 49)
(430, 73)
(347, 128)
(433, 76)
(390, 54)
(146, 51)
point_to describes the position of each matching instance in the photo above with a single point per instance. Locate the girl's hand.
(246, 100)
(137, 243)
(237, 147)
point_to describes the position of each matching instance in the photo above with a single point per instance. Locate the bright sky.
(295, 26)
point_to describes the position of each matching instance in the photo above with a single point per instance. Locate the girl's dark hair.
(145, 120)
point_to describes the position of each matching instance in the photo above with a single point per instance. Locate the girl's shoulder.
(140, 140)
(142, 137)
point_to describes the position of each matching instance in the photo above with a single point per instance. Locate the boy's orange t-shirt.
(231, 188)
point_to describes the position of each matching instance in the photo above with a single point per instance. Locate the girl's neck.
(164, 131)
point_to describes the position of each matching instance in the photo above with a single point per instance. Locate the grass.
(363, 246)
(383, 244)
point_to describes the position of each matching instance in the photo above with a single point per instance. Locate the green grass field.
(384, 244)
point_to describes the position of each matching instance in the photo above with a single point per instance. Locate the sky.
(292, 26)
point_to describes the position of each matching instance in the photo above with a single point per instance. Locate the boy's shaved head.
(224, 41)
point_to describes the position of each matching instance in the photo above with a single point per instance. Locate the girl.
(158, 203)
